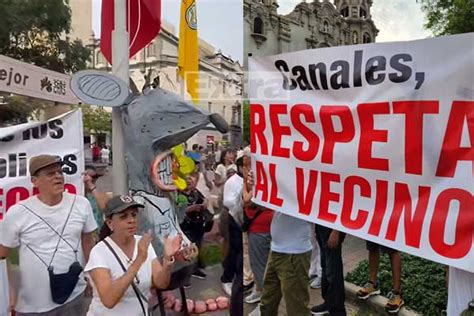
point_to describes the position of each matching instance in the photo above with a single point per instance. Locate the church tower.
(357, 14)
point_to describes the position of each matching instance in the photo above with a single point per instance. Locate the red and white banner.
(375, 140)
(60, 136)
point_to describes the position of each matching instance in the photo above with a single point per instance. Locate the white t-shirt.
(21, 228)
(221, 170)
(460, 290)
(102, 257)
(105, 153)
(233, 188)
(290, 235)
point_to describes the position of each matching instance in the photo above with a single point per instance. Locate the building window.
(366, 38)
(355, 38)
(100, 58)
(362, 13)
(151, 50)
(223, 111)
(345, 12)
(209, 107)
(258, 26)
(223, 86)
(354, 12)
(326, 27)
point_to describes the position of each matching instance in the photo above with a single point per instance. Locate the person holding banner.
(286, 274)
(54, 233)
(332, 283)
(395, 301)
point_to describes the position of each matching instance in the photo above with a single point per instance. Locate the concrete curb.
(377, 302)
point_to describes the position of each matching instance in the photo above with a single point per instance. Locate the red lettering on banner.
(464, 225)
(414, 112)
(311, 137)
(305, 201)
(69, 188)
(278, 130)
(330, 135)
(16, 195)
(348, 201)
(451, 151)
(261, 182)
(257, 129)
(274, 199)
(413, 223)
(327, 195)
(369, 135)
(381, 198)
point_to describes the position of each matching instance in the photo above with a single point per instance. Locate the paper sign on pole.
(24, 79)
(374, 140)
(62, 136)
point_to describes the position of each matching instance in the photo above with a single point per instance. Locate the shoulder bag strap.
(135, 289)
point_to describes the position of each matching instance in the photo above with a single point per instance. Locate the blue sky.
(220, 22)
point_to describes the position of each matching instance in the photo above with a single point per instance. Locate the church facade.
(310, 25)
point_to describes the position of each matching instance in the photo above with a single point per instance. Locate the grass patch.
(423, 282)
(210, 254)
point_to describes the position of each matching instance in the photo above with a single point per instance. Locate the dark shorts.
(371, 246)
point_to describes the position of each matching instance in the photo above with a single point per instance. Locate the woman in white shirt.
(123, 267)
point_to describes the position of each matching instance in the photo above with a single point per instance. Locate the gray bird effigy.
(153, 122)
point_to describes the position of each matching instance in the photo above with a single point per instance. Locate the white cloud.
(397, 20)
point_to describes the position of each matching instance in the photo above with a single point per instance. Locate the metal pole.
(120, 52)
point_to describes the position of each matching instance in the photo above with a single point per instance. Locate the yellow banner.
(188, 50)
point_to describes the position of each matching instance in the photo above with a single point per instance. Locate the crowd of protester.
(268, 256)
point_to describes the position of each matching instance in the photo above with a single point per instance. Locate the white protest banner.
(60, 136)
(21, 78)
(375, 140)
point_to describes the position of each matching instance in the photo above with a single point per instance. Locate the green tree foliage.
(96, 120)
(34, 31)
(445, 17)
(15, 109)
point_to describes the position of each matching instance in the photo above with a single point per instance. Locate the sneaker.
(368, 290)
(320, 309)
(395, 302)
(227, 287)
(254, 297)
(315, 283)
(199, 274)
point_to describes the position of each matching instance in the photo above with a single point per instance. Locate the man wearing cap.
(54, 233)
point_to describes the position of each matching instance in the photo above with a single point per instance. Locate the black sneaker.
(199, 274)
(320, 309)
